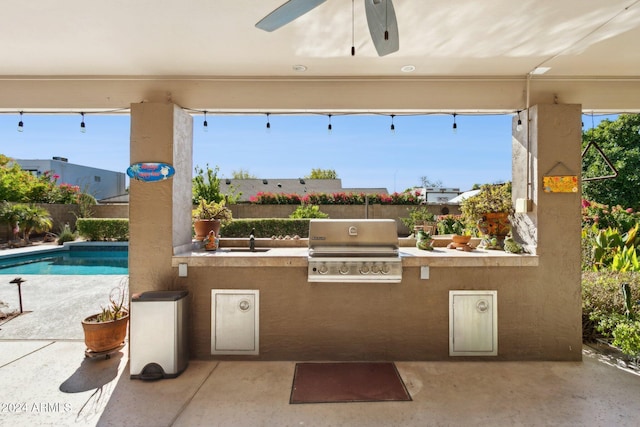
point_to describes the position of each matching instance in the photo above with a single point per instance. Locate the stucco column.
(551, 146)
(159, 212)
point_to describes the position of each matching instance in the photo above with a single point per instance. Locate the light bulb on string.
(83, 127)
(519, 125)
(386, 19)
(455, 125)
(205, 124)
(393, 126)
(353, 33)
(329, 127)
(20, 123)
(268, 125)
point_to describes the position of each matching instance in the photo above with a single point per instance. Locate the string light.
(386, 18)
(519, 125)
(83, 129)
(353, 32)
(393, 127)
(205, 124)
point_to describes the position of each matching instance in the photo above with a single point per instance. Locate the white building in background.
(100, 183)
(435, 195)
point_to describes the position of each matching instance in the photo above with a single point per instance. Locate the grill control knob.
(375, 269)
(364, 269)
(344, 268)
(385, 268)
(323, 269)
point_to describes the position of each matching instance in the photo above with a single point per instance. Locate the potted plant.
(420, 217)
(489, 210)
(424, 240)
(106, 331)
(450, 224)
(209, 216)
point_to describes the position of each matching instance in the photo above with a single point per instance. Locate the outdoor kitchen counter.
(297, 257)
(443, 257)
(227, 257)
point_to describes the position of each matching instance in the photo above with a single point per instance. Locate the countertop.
(297, 257)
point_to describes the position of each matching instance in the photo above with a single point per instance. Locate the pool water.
(73, 261)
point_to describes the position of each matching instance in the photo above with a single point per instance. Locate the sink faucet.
(252, 240)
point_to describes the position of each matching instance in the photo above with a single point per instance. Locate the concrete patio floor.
(46, 380)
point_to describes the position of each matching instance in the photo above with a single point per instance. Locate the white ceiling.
(168, 39)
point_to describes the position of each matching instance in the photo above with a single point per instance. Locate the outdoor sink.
(246, 249)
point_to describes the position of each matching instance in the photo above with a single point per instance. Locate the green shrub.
(103, 228)
(604, 216)
(626, 336)
(206, 186)
(266, 227)
(30, 218)
(450, 224)
(308, 211)
(66, 235)
(603, 304)
(417, 216)
(610, 249)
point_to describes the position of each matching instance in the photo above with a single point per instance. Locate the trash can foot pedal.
(151, 372)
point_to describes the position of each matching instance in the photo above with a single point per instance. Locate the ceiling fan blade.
(286, 13)
(381, 18)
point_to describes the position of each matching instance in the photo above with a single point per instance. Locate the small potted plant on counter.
(209, 216)
(424, 241)
(106, 331)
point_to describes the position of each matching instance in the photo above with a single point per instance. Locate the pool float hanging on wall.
(150, 171)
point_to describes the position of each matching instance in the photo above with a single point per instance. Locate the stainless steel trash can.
(158, 334)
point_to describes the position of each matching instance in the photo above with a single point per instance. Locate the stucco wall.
(159, 212)
(406, 321)
(538, 307)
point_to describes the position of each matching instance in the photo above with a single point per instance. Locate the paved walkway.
(45, 380)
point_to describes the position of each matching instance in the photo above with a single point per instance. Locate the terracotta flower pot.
(462, 240)
(104, 336)
(495, 224)
(202, 227)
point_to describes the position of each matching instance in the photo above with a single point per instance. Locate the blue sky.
(360, 148)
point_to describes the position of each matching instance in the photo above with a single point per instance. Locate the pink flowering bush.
(340, 198)
(604, 216)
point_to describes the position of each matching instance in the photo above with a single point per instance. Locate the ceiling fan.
(381, 18)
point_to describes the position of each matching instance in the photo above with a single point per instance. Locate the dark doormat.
(347, 382)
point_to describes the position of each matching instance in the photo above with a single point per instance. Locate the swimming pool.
(71, 260)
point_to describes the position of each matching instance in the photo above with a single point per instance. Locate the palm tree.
(11, 214)
(35, 219)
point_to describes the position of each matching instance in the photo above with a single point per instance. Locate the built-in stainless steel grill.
(354, 250)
